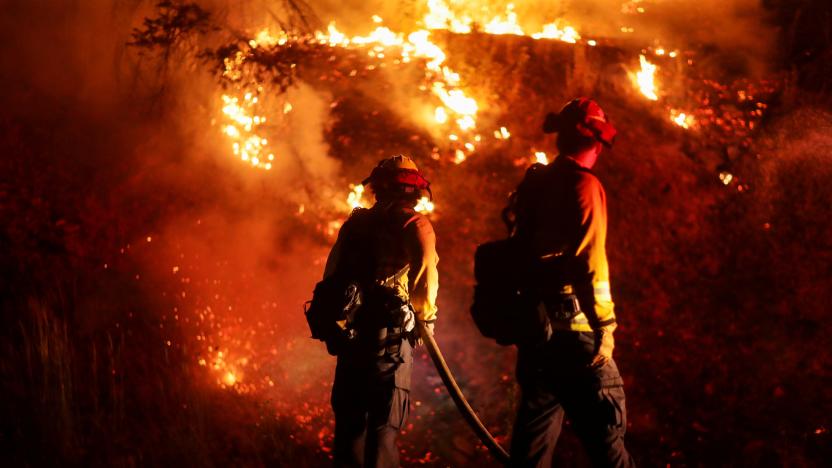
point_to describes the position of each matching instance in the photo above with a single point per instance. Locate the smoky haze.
(133, 132)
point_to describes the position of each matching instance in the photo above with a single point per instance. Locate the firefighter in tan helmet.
(386, 255)
(559, 215)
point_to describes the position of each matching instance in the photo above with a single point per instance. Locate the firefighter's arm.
(423, 277)
(592, 248)
(594, 293)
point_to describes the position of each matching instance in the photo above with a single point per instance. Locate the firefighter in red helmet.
(559, 215)
(389, 253)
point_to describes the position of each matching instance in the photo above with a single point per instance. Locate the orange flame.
(458, 108)
(646, 79)
(241, 127)
(356, 199)
(507, 25)
(682, 119)
(555, 31)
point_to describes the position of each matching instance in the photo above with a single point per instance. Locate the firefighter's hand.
(604, 344)
(429, 329)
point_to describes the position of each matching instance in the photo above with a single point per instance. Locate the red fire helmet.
(398, 170)
(584, 116)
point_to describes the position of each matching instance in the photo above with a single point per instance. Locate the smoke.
(304, 147)
(130, 130)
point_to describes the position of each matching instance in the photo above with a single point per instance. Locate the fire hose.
(459, 399)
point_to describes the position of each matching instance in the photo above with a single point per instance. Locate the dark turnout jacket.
(561, 213)
(402, 246)
(389, 247)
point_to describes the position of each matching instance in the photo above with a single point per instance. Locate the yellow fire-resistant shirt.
(563, 216)
(402, 244)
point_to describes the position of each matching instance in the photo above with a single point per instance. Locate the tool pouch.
(403, 322)
(332, 311)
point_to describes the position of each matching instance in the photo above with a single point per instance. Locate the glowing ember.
(441, 115)
(502, 134)
(226, 370)
(242, 126)
(264, 38)
(682, 119)
(541, 157)
(726, 177)
(424, 206)
(646, 79)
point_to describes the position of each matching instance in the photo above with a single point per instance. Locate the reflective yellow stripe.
(580, 318)
(601, 290)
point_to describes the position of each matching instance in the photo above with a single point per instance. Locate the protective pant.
(369, 413)
(554, 379)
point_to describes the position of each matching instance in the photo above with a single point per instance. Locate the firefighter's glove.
(604, 344)
(429, 329)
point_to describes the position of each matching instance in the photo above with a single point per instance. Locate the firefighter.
(390, 250)
(559, 215)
